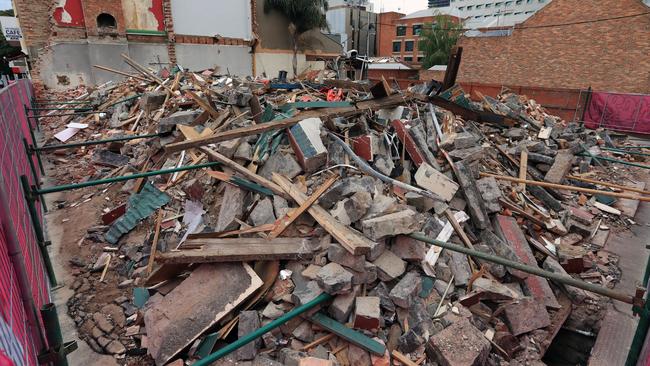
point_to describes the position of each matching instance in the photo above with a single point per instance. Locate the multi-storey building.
(354, 25)
(439, 3)
(495, 13)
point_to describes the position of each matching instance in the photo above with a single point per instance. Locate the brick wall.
(93, 8)
(606, 55)
(34, 16)
(428, 75)
(386, 33)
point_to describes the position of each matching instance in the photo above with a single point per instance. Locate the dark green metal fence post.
(57, 351)
(30, 197)
(30, 159)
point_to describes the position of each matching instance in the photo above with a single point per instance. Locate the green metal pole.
(62, 115)
(567, 280)
(97, 142)
(59, 101)
(261, 331)
(38, 228)
(81, 109)
(57, 351)
(68, 187)
(642, 327)
(125, 100)
(30, 159)
(621, 162)
(625, 151)
(631, 147)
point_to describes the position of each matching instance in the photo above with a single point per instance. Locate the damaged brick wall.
(607, 55)
(94, 8)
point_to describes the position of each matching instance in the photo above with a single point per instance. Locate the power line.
(543, 25)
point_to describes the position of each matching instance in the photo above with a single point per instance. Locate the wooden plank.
(256, 129)
(319, 104)
(245, 172)
(568, 188)
(206, 297)
(154, 243)
(523, 169)
(402, 358)
(238, 250)
(560, 168)
(203, 104)
(348, 334)
(284, 223)
(353, 241)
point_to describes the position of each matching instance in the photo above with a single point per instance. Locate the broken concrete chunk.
(109, 159)
(306, 293)
(367, 314)
(345, 188)
(334, 279)
(406, 289)
(263, 213)
(337, 254)
(491, 193)
(409, 249)
(463, 140)
(232, 208)
(561, 166)
(460, 268)
(167, 124)
(307, 144)
(526, 315)
(389, 266)
(475, 205)
(152, 100)
(248, 322)
(460, 344)
(434, 181)
(469, 155)
(421, 203)
(342, 305)
(352, 209)
(283, 164)
(403, 222)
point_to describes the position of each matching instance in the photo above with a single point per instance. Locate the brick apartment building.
(575, 44)
(399, 34)
(65, 38)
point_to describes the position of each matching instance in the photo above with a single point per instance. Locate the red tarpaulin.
(619, 112)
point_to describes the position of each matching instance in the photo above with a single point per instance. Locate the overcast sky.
(403, 6)
(5, 4)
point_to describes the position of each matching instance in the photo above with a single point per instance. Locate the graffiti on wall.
(143, 15)
(69, 13)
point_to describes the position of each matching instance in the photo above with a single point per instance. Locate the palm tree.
(303, 15)
(437, 40)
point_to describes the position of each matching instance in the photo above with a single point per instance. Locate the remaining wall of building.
(143, 15)
(386, 34)
(227, 18)
(607, 55)
(356, 27)
(236, 60)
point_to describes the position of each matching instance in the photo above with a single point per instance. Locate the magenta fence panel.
(619, 112)
(18, 340)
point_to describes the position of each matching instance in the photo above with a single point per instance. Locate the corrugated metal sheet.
(141, 205)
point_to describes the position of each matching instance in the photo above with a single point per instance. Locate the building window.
(497, 5)
(488, 6)
(508, 3)
(420, 59)
(480, 6)
(408, 46)
(397, 46)
(408, 59)
(417, 29)
(401, 30)
(461, 8)
(519, 2)
(105, 20)
(470, 7)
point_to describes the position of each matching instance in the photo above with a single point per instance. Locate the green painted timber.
(348, 334)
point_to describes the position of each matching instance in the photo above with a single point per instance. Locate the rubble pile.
(318, 189)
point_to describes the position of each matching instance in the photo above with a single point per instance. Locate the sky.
(5, 4)
(403, 6)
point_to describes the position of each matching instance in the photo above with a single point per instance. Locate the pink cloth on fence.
(619, 112)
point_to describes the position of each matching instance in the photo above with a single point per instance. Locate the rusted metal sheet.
(69, 13)
(143, 15)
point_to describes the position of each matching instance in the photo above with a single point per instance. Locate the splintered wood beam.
(284, 222)
(245, 172)
(203, 104)
(238, 250)
(256, 129)
(523, 169)
(568, 188)
(353, 241)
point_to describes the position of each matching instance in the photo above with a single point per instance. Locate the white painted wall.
(227, 18)
(234, 59)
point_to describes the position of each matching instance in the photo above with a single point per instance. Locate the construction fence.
(24, 285)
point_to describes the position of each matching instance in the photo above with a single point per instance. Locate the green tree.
(303, 15)
(437, 40)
